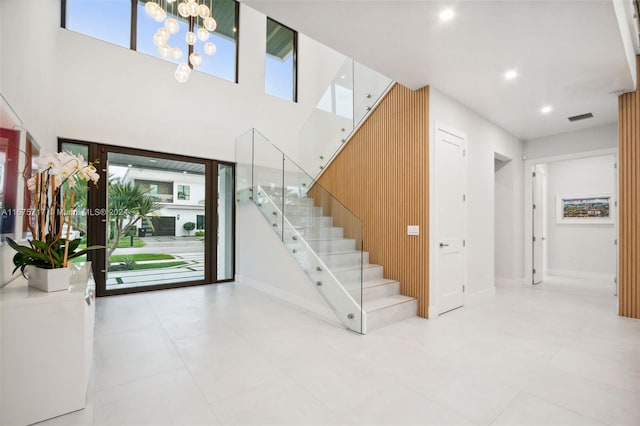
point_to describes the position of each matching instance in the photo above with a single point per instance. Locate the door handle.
(444, 245)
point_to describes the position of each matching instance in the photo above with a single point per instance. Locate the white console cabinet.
(46, 349)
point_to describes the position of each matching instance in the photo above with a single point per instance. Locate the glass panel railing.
(346, 102)
(368, 88)
(244, 160)
(322, 235)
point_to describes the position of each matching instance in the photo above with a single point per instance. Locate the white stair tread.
(338, 253)
(371, 283)
(385, 302)
(354, 268)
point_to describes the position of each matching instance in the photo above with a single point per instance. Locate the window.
(223, 63)
(280, 66)
(125, 23)
(108, 20)
(149, 244)
(161, 192)
(184, 192)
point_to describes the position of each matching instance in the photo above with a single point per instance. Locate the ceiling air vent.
(581, 117)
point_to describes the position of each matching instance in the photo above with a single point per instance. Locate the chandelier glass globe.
(172, 26)
(210, 49)
(203, 11)
(190, 38)
(195, 59)
(210, 24)
(183, 10)
(159, 15)
(203, 34)
(176, 53)
(164, 51)
(150, 7)
(193, 8)
(182, 73)
(159, 39)
(200, 23)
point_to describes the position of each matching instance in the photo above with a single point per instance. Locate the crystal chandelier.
(197, 13)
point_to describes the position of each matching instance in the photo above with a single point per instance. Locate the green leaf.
(31, 253)
(84, 251)
(73, 245)
(40, 245)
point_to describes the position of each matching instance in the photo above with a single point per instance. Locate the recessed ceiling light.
(184, 171)
(546, 109)
(129, 165)
(446, 14)
(511, 74)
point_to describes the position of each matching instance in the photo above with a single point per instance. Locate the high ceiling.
(568, 54)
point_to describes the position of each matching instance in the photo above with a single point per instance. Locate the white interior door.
(538, 225)
(450, 210)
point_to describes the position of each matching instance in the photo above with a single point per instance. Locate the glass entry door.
(152, 208)
(164, 220)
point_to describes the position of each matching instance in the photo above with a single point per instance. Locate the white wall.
(593, 139)
(264, 263)
(577, 249)
(484, 139)
(65, 84)
(71, 85)
(27, 74)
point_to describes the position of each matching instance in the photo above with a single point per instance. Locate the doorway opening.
(163, 220)
(503, 219)
(574, 222)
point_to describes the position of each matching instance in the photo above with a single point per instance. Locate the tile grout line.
(186, 367)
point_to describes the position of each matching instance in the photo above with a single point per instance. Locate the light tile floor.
(554, 354)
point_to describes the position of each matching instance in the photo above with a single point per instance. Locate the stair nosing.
(407, 300)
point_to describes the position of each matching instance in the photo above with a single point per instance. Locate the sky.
(109, 20)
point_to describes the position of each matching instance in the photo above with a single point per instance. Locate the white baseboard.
(480, 296)
(433, 312)
(580, 274)
(510, 282)
(297, 301)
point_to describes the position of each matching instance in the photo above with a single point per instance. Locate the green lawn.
(126, 242)
(139, 266)
(140, 256)
(135, 257)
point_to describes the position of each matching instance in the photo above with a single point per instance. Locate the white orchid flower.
(48, 161)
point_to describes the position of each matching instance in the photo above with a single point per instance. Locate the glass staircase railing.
(323, 236)
(352, 93)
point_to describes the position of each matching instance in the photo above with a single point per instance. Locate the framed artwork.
(10, 183)
(32, 151)
(585, 209)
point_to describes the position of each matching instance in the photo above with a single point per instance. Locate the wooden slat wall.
(629, 203)
(382, 175)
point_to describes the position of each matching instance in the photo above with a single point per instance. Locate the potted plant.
(51, 246)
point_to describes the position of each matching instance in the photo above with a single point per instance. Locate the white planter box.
(49, 279)
(46, 349)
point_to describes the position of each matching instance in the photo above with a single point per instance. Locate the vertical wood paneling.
(629, 203)
(382, 175)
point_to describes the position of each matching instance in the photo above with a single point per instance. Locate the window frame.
(134, 35)
(96, 229)
(295, 57)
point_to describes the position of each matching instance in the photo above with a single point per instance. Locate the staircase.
(304, 229)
